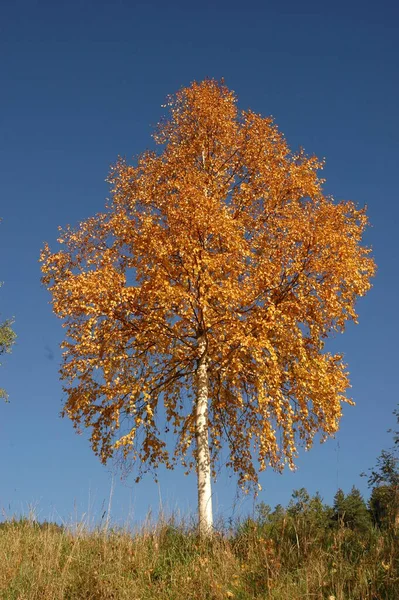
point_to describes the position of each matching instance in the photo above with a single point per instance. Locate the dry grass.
(168, 561)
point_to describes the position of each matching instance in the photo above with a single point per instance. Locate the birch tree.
(208, 287)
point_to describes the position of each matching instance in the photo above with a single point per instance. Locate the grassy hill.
(307, 550)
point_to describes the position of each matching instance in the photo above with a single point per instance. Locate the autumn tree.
(7, 339)
(208, 286)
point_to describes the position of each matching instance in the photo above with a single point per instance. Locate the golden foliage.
(224, 233)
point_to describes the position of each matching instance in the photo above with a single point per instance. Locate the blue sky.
(83, 82)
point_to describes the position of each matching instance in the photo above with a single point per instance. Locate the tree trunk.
(205, 518)
(396, 509)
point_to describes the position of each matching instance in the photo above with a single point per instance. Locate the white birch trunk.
(205, 516)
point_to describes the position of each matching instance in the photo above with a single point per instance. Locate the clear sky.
(82, 82)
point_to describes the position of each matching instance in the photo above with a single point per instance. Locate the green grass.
(168, 561)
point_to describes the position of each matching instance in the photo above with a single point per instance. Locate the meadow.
(307, 550)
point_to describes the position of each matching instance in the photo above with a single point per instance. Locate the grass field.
(290, 558)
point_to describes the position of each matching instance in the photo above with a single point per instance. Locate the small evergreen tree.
(384, 483)
(351, 510)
